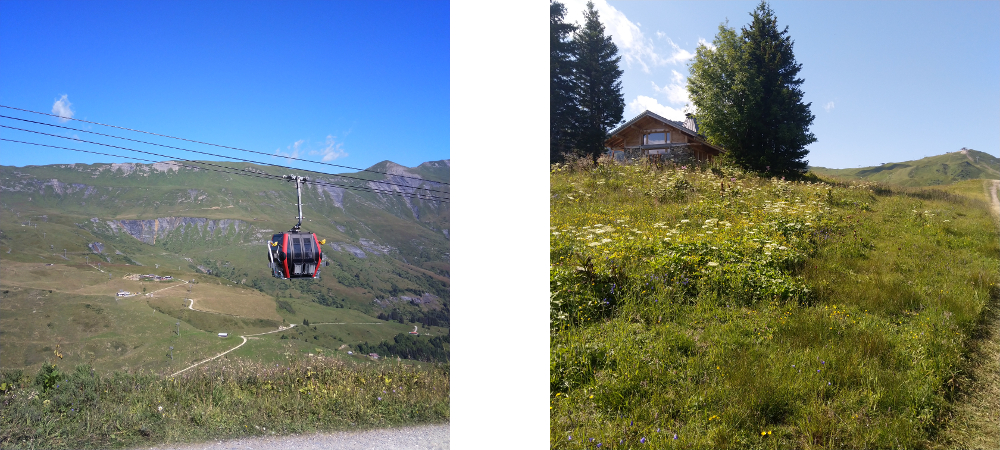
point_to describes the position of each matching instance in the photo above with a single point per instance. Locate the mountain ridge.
(947, 168)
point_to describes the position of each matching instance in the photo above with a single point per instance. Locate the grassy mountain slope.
(932, 170)
(710, 308)
(70, 234)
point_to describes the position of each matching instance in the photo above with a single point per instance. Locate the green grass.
(80, 408)
(739, 312)
(66, 312)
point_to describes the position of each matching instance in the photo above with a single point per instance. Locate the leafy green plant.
(48, 377)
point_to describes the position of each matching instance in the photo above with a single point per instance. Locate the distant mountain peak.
(440, 163)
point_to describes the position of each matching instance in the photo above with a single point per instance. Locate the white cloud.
(676, 91)
(632, 45)
(661, 35)
(642, 103)
(332, 150)
(679, 55)
(294, 150)
(63, 108)
(702, 41)
(828, 106)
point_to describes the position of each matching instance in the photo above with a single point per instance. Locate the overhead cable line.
(207, 143)
(322, 183)
(239, 172)
(211, 154)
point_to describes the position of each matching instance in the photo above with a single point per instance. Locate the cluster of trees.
(410, 347)
(585, 84)
(744, 88)
(749, 98)
(428, 318)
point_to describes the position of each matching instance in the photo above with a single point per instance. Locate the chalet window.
(655, 138)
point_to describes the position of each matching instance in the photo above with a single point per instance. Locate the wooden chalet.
(650, 134)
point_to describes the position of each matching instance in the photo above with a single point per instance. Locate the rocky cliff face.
(399, 180)
(151, 229)
(35, 185)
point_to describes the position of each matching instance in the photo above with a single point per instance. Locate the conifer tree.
(748, 96)
(598, 84)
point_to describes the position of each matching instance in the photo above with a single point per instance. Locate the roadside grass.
(81, 408)
(705, 307)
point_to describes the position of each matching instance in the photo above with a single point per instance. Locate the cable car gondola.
(295, 253)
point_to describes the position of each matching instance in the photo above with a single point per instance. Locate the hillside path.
(977, 410)
(425, 437)
(993, 197)
(163, 289)
(227, 351)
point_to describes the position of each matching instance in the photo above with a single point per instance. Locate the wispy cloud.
(633, 46)
(828, 106)
(332, 150)
(293, 151)
(63, 108)
(642, 103)
(679, 55)
(702, 41)
(676, 91)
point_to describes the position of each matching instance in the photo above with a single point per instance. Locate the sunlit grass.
(79, 408)
(732, 311)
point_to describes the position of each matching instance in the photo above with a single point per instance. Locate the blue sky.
(888, 81)
(351, 83)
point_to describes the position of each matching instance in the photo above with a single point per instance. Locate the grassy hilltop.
(705, 307)
(930, 171)
(61, 321)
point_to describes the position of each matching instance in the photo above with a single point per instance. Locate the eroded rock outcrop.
(150, 230)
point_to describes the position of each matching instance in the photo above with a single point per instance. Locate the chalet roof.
(676, 124)
(679, 125)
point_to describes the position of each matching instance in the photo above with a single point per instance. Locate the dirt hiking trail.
(975, 421)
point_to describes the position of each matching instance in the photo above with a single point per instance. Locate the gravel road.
(427, 437)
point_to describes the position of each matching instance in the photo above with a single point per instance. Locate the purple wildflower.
(642, 441)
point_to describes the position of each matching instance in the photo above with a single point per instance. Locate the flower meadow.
(80, 408)
(706, 307)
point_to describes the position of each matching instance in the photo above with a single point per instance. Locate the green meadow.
(707, 307)
(84, 368)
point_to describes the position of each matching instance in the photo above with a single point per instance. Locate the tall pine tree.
(748, 98)
(562, 89)
(598, 83)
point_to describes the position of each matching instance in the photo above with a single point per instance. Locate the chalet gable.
(652, 134)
